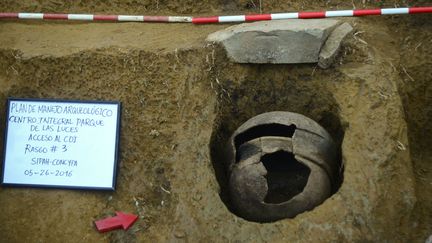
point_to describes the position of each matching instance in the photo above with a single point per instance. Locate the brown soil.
(376, 103)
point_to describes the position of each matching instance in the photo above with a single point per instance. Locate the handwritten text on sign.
(61, 143)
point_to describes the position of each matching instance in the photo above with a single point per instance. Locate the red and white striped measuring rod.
(218, 19)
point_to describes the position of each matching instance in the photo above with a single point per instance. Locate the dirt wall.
(182, 98)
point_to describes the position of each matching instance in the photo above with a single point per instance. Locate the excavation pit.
(173, 109)
(279, 175)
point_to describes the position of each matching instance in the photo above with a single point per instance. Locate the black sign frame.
(116, 152)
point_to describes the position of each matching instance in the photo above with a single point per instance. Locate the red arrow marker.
(122, 220)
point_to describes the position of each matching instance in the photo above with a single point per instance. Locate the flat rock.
(332, 46)
(281, 41)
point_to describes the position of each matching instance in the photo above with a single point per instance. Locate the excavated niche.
(277, 164)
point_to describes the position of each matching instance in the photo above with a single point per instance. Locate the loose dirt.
(182, 99)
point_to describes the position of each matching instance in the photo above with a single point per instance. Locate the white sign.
(59, 143)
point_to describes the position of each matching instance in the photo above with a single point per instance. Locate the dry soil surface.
(182, 99)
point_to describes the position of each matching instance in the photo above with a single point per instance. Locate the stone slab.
(281, 41)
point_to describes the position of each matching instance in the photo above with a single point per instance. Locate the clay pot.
(280, 164)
